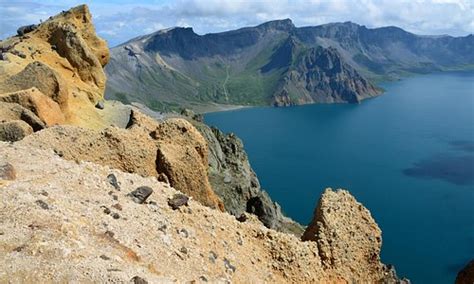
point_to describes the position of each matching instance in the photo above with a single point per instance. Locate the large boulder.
(14, 130)
(14, 111)
(34, 100)
(40, 76)
(182, 157)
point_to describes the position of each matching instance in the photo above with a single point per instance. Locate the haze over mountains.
(275, 63)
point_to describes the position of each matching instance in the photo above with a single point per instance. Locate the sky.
(120, 20)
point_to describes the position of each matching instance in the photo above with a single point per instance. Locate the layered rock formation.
(68, 221)
(55, 69)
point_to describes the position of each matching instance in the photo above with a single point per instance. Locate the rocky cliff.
(55, 70)
(82, 200)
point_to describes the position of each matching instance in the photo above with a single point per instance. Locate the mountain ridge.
(177, 67)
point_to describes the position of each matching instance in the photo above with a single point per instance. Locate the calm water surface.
(407, 155)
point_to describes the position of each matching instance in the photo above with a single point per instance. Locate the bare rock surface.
(348, 238)
(14, 130)
(49, 238)
(63, 58)
(173, 148)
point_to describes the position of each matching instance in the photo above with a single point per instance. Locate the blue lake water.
(407, 155)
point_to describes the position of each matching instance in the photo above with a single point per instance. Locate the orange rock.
(44, 107)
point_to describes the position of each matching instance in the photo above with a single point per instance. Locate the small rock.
(184, 233)
(42, 204)
(117, 206)
(112, 179)
(104, 257)
(107, 210)
(212, 256)
(228, 265)
(138, 280)
(100, 105)
(203, 278)
(7, 172)
(44, 193)
(140, 194)
(163, 178)
(242, 218)
(115, 216)
(178, 200)
(183, 250)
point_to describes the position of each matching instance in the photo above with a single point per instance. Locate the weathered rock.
(112, 179)
(235, 182)
(63, 58)
(347, 236)
(7, 172)
(141, 194)
(14, 130)
(13, 111)
(466, 275)
(178, 200)
(100, 105)
(138, 280)
(182, 157)
(26, 29)
(32, 99)
(40, 76)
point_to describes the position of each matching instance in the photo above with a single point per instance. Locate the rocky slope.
(75, 191)
(70, 221)
(274, 63)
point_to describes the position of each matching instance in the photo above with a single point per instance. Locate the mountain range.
(274, 63)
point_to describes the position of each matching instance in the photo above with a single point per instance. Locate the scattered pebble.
(242, 218)
(178, 200)
(228, 265)
(212, 256)
(115, 216)
(138, 280)
(141, 194)
(112, 179)
(104, 257)
(42, 204)
(7, 172)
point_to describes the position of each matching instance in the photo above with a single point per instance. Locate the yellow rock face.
(64, 59)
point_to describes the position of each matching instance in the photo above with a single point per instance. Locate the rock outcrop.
(173, 148)
(62, 59)
(237, 185)
(347, 236)
(466, 275)
(64, 221)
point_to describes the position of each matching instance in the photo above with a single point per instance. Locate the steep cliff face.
(63, 59)
(237, 185)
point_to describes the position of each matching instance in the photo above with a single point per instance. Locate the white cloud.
(120, 22)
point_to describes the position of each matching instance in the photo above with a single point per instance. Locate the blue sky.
(120, 20)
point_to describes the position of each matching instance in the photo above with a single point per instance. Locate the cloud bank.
(120, 20)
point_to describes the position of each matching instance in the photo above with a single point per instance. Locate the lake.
(407, 155)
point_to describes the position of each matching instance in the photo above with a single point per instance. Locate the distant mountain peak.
(284, 25)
